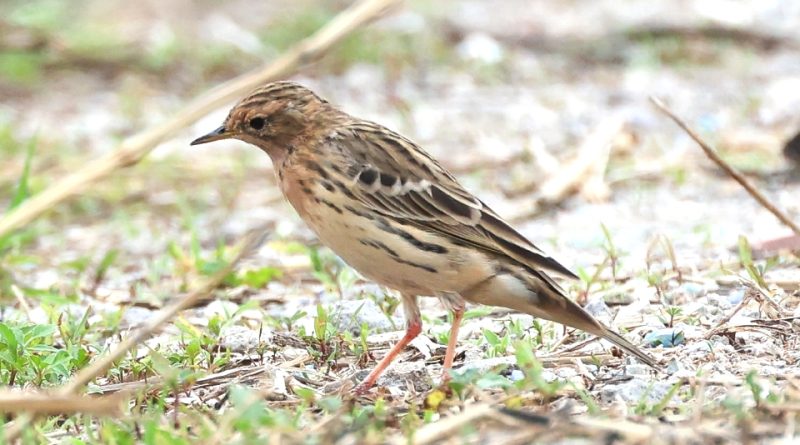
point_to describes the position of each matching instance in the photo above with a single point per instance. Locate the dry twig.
(712, 154)
(23, 303)
(749, 294)
(49, 404)
(133, 149)
(436, 432)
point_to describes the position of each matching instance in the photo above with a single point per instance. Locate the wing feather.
(395, 177)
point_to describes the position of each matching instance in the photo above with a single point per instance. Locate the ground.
(540, 108)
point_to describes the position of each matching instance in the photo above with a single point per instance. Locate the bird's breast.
(397, 254)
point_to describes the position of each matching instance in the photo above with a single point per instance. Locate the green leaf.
(524, 355)
(106, 262)
(745, 254)
(8, 337)
(80, 328)
(249, 409)
(23, 189)
(46, 296)
(321, 323)
(163, 367)
(316, 263)
(492, 381)
(746, 257)
(258, 278)
(211, 267)
(659, 407)
(755, 387)
(9, 345)
(478, 312)
(306, 394)
(591, 405)
(39, 331)
(609, 246)
(330, 404)
(491, 337)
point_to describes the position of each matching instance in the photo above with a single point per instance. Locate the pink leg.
(413, 328)
(458, 314)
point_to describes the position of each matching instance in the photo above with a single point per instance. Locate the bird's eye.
(257, 123)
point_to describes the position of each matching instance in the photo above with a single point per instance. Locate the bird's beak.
(219, 133)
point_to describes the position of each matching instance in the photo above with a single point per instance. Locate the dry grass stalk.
(449, 427)
(714, 156)
(721, 323)
(48, 404)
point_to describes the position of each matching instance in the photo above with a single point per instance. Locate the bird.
(397, 216)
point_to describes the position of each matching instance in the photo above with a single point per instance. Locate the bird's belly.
(399, 256)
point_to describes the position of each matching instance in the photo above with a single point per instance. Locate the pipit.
(393, 213)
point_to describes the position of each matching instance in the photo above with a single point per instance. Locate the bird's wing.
(396, 178)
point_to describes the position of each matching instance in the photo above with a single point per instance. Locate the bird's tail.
(626, 346)
(555, 306)
(538, 295)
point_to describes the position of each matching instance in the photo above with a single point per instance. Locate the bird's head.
(271, 117)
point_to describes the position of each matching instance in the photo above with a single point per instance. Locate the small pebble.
(516, 375)
(637, 369)
(693, 290)
(480, 47)
(633, 391)
(736, 296)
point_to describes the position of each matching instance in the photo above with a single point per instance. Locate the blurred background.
(514, 84)
(510, 95)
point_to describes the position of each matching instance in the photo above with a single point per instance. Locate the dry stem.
(712, 154)
(38, 403)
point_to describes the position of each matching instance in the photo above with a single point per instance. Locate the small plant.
(672, 313)
(756, 272)
(658, 408)
(591, 404)
(533, 372)
(23, 189)
(257, 278)
(387, 303)
(28, 354)
(538, 328)
(325, 344)
(656, 278)
(612, 254)
(588, 280)
(498, 346)
(462, 382)
(200, 349)
(751, 379)
(358, 345)
(194, 262)
(288, 323)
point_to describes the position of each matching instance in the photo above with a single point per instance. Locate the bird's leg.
(413, 328)
(458, 314)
